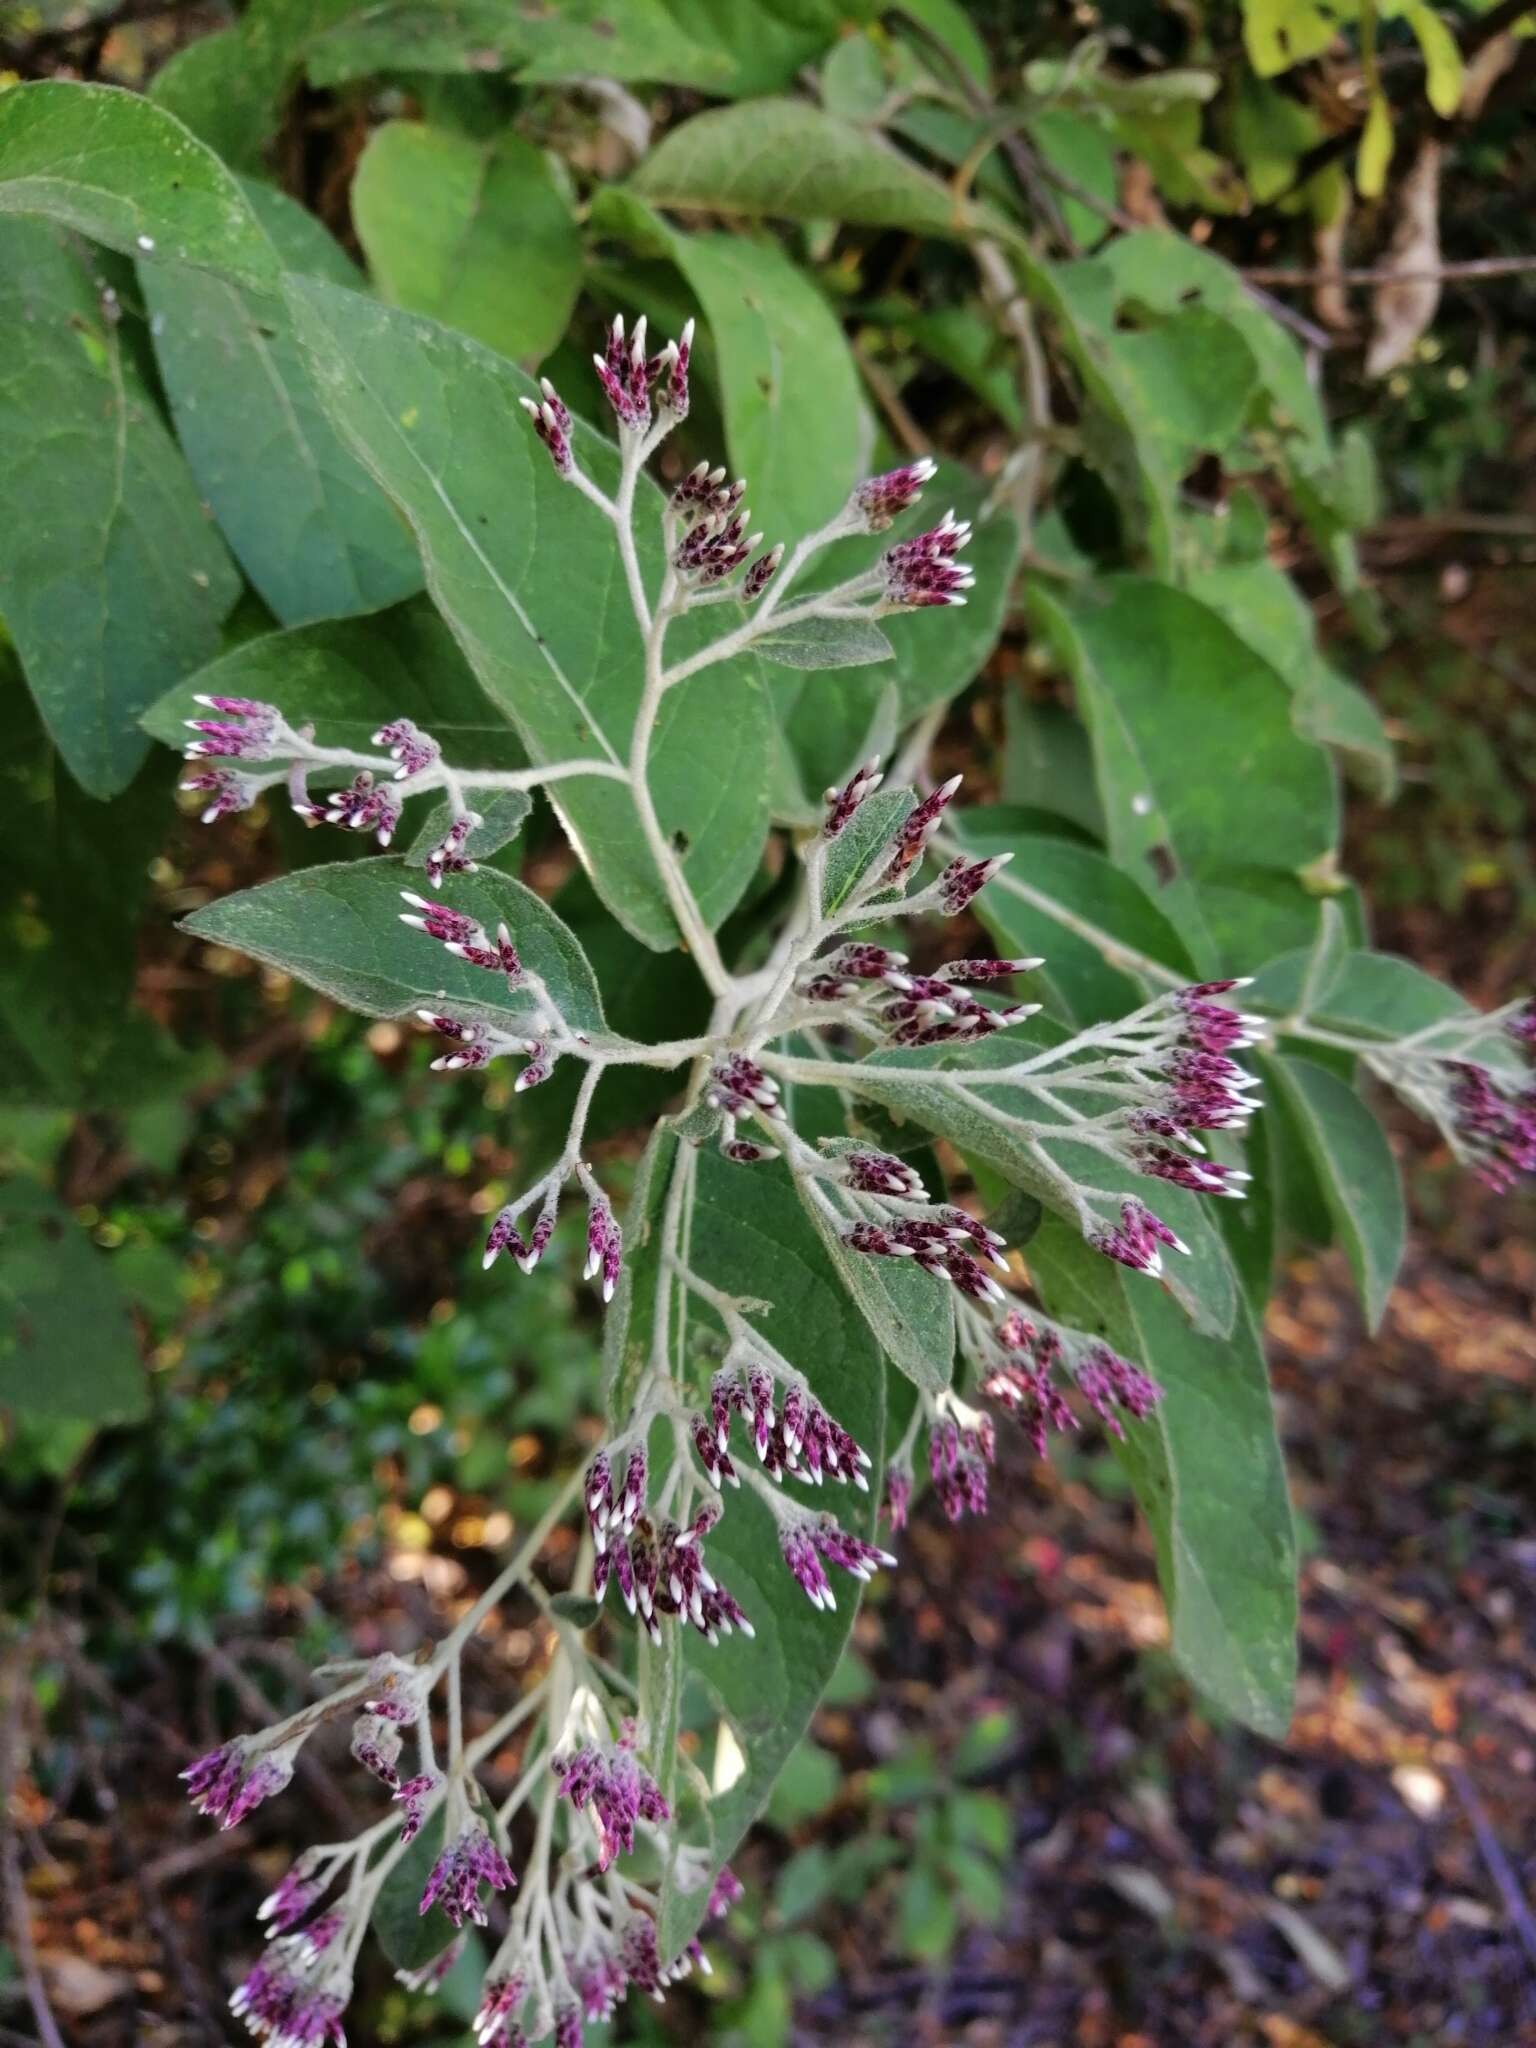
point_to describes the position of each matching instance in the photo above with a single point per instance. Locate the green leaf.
(1269, 614)
(1279, 34)
(927, 1924)
(78, 872)
(338, 930)
(1444, 69)
(502, 816)
(525, 571)
(1102, 938)
(806, 1786)
(826, 643)
(792, 161)
(628, 1325)
(307, 523)
(1208, 1473)
(347, 677)
(745, 48)
(125, 172)
(937, 652)
(1187, 723)
(1357, 1173)
(863, 841)
(1081, 149)
(67, 1348)
(796, 421)
(478, 234)
(749, 1236)
(978, 1883)
(409, 1937)
(112, 581)
(911, 1314)
(1189, 380)
(1163, 272)
(805, 1880)
(212, 88)
(1374, 158)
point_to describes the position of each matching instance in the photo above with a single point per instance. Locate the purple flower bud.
(842, 803)
(552, 424)
(448, 856)
(631, 1500)
(500, 1998)
(1032, 1398)
(231, 1782)
(987, 970)
(724, 1893)
(896, 1505)
(413, 749)
(963, 879)
(1103, 1377)
(610, 1782)
(1497, 1130)
(761, 574)
(738, 1085)
(376, 1745)
(503, 1236)
(712, 1455)
(413, 1795)
(289, 2003)
(605, 1243)
(457, 1875)
(229, 792)
(363, 807)
(248, 731)
(742, 1152)
(1200, 1176)
(919, 828)
(302, 1884)
(541, 1065)
(884, 498)
(924, 572)
(1521, 1027)
(878, 1173)
(674, 361)
(1137, 1240)
(623, 372)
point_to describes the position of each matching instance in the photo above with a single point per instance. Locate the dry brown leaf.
(1405, 303)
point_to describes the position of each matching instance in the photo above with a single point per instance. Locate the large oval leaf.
(525, 571)
(338, 929)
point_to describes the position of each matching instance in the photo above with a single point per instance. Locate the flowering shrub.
(973, 1134)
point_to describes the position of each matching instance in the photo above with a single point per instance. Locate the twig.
(1503, 1876)
(1472, 267)
(17, 1911)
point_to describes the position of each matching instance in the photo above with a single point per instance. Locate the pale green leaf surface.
(750, 1236)
(478, 234)
(1190, 729)
(788, 159)
(309, 526)
(338, 930)
(347, 677)
(525, 571)
(125, 172)
(67, 1348)
(1209, 1476)
(112, 580)
(1357, 1173)
(1094, 925)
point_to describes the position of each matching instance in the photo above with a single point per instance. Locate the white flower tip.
(686, 337)
(487, 1260)
(947, 789)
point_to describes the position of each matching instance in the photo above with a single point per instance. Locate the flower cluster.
(797, 1436)
(469, 1861)
(606, 1780)
(373, 800)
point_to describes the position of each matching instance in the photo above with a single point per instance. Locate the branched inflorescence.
(715, 1409)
